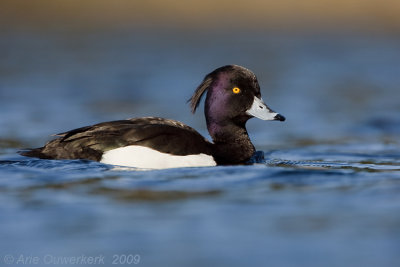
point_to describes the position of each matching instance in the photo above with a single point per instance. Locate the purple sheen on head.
(216, 104)
(222, 82)
(217, 97)
(216, 101)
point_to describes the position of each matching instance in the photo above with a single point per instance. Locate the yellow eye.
(236, 90)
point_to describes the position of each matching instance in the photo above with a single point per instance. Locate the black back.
(90, 142)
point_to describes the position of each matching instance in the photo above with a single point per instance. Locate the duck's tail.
(33, 152)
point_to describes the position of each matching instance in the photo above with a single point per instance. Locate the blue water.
(327, 193)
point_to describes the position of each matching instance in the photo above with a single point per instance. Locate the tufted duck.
(233, 97)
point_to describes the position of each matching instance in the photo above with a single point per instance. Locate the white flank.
(147, 158)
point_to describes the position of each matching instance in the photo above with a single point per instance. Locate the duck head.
(233, 97)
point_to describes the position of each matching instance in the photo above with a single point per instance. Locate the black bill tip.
(279, 117)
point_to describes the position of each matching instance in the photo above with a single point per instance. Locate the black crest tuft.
(207, 82)
(198, 94)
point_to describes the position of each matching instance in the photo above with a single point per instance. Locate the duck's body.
(138, 142)
(233, 97)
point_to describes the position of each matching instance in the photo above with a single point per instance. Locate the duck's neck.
(232, 144)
